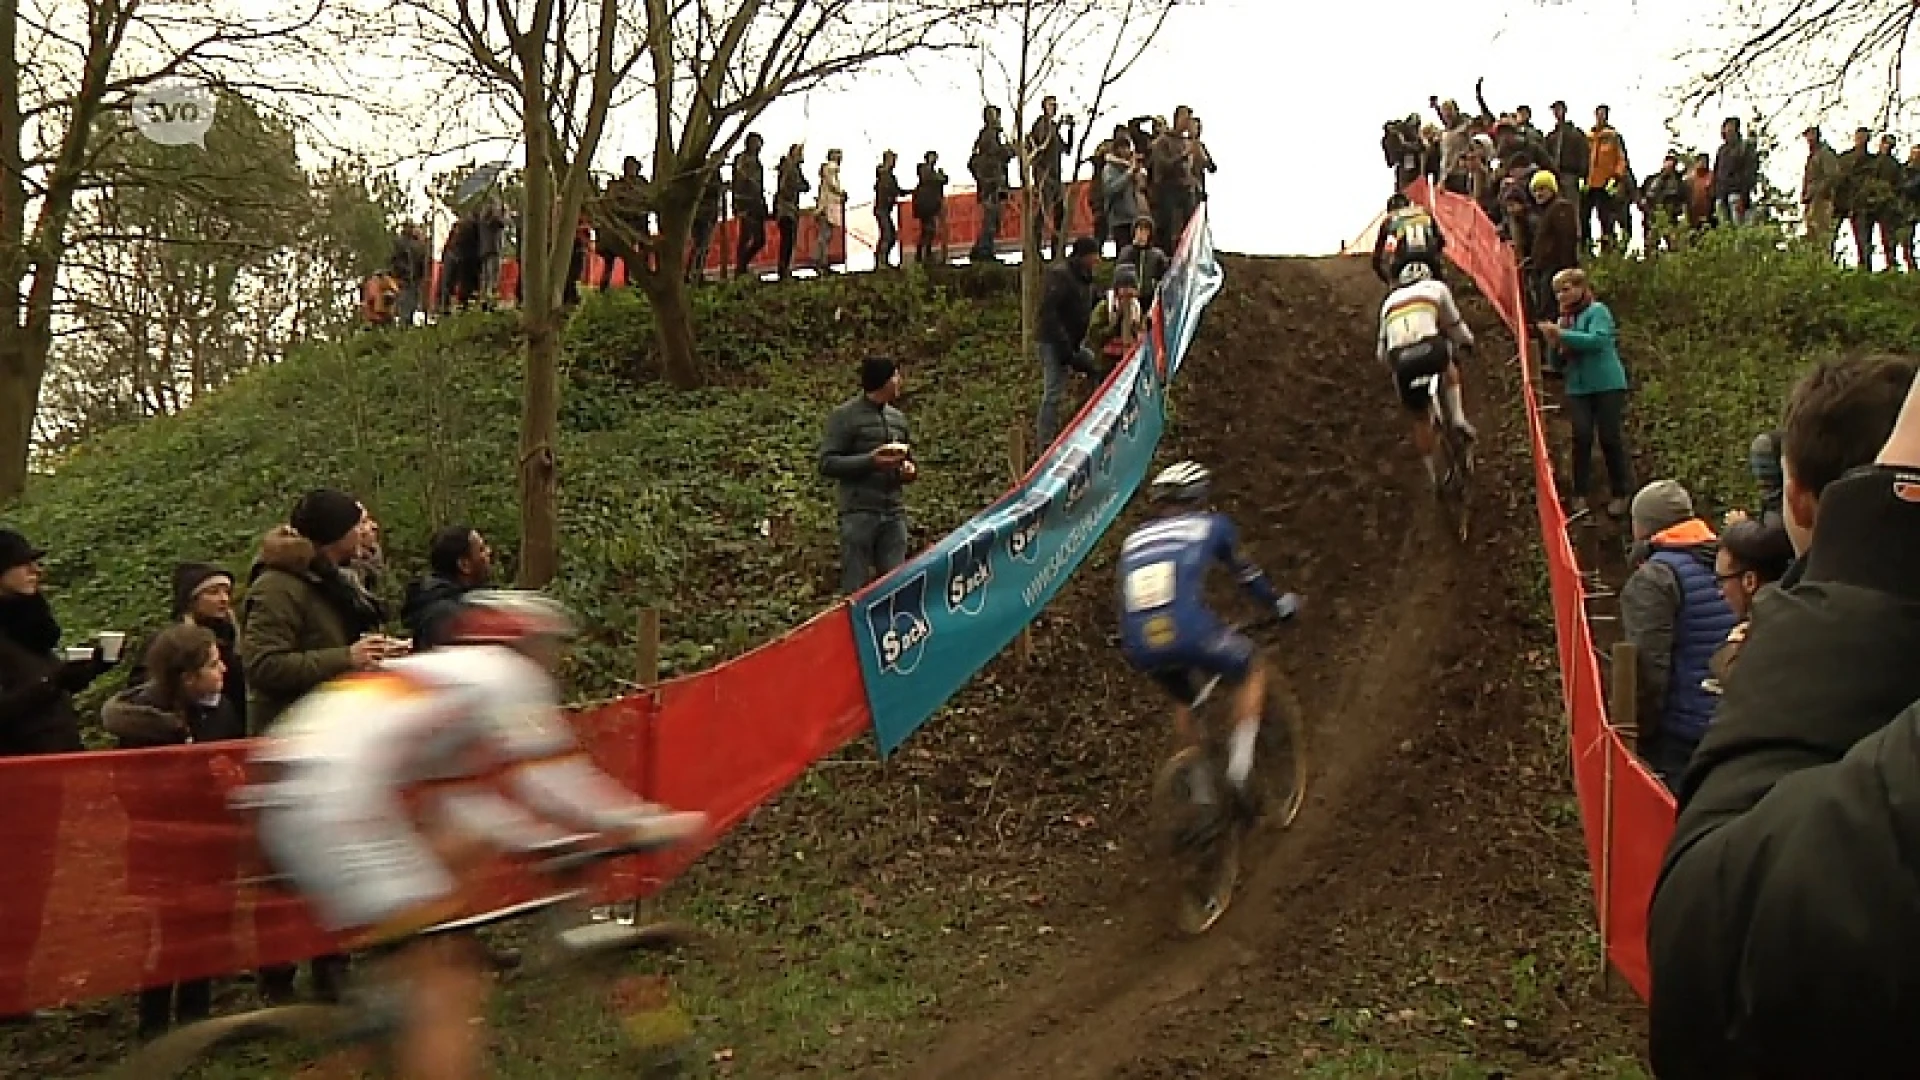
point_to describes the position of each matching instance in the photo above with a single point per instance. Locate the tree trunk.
(666, 289)
(539, 466)
(19, 396)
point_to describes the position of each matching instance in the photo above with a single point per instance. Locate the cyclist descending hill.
(1166, 627)
(1416, 238)
(1419, 325)
(380, 793)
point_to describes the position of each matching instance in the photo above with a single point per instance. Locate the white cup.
(111, 642)
(78, 652)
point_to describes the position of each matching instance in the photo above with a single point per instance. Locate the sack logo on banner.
(969, 572)
(1075, 468)
(900, 625)
(1028, 513)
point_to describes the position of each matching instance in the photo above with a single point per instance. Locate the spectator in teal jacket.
(1585, 341)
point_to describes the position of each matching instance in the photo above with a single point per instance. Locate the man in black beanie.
(866, 449)
(303, 624)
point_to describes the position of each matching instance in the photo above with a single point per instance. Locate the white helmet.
(1184, 481)
(1415, 271)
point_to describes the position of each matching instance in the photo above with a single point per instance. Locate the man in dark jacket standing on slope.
(866, 449)
(1672, 610)
(1781, 935)
(1066, 307)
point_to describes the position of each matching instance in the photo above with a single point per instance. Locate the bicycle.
(1204, 820)
(1453, 459)
(372, 1020)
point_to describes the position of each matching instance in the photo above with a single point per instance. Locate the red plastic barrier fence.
(1625, 812)
(124, 868)
(957, 230)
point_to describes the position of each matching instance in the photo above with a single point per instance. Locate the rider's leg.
(446, 991)
(1456, 411)
(1423, 441)
(1249, 704)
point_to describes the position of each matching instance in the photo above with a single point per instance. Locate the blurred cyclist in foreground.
(382, 793)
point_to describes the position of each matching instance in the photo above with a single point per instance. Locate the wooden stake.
(647, 653)
(1016, 469)
(1621, 707)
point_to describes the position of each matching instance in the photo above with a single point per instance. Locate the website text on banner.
(924, 630)
(1626, 815)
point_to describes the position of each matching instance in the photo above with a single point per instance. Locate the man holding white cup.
(303, 623)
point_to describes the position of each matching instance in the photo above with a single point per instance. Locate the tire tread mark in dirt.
(1283, 376)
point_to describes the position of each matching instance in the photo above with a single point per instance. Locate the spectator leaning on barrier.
(1672, 610)
(867, 449)
(1587, 344)
(1753, 555)
(1066, 307)
(1781, 934)
(182, 699)
(460, 561)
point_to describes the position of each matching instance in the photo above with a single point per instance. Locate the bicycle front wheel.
(173, 1054)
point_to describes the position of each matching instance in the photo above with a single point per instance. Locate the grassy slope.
(662, 494)
(1714, 337)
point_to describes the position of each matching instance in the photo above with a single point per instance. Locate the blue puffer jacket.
(1699, 628)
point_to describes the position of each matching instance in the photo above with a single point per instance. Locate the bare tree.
(1058, 40)
(63, 66)
(715, 67)
(1811, 54)
(558, 64)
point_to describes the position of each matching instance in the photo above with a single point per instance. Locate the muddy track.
(1284, 398)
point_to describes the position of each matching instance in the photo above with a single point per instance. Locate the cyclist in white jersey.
(380, 794)
(1419, 325)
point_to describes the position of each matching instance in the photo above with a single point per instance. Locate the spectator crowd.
(204, 671)
(1146, 177)
(1775, 693)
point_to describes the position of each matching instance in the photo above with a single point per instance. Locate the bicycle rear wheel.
(1456, 461)
(1281, 765)
(1202, 837)
(173, 1054)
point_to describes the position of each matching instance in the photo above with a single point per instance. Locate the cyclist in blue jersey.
(1166, 628)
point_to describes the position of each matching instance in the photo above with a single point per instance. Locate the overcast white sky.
(1293, 97)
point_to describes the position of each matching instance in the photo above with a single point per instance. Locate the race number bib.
(1150, 587)
(1414, 236)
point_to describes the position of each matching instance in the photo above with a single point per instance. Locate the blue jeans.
(1735, 209)
(1053, 372)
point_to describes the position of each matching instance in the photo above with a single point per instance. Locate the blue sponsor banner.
(926, 629)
